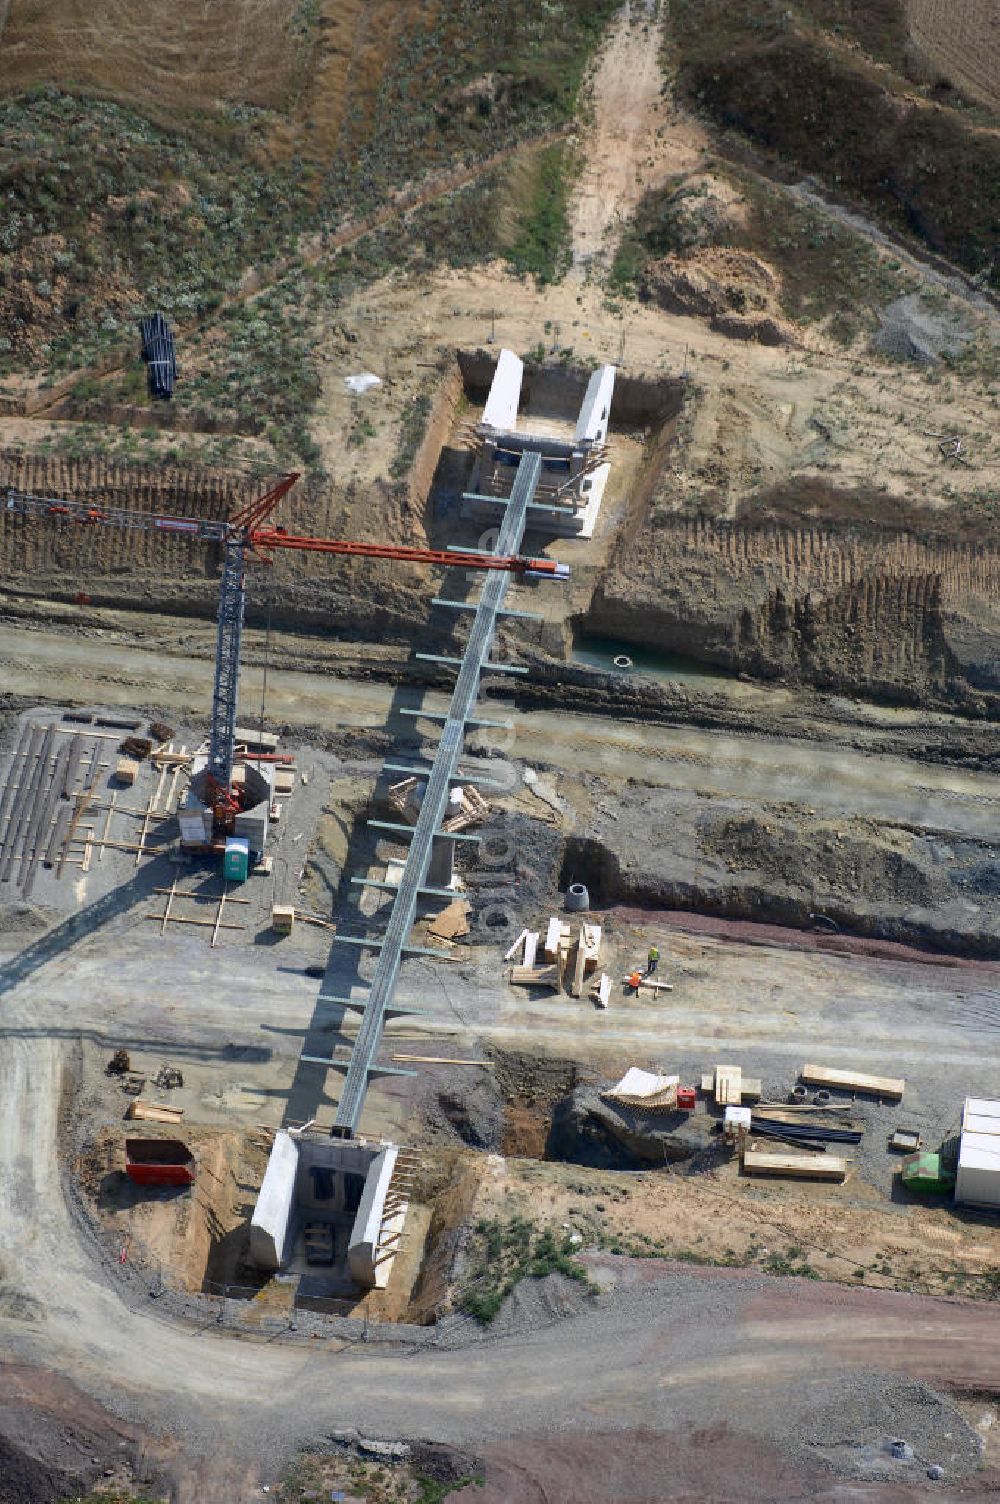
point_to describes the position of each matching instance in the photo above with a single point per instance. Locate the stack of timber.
(758, 1159)
(154, 1112)
(645, 1090)
(890, 1087)
(403, 799)
(558, 949)
(730, 1087)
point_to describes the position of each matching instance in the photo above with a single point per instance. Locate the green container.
(236, 862)
(924, 1172)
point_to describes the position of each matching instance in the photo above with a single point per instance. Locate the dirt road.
(894, 790)
(622, 156)
(631, 1357)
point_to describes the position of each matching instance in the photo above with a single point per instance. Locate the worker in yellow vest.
(652, 960)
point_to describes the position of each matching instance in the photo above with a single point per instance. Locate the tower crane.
(249, 533)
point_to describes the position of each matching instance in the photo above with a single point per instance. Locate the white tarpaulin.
(639, 1086)
(362, 383)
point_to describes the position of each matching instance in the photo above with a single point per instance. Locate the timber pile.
(154, 1112)
(471, 810)
(730, 1087)
(563, 957)
(891, 1087)
(765, 1161)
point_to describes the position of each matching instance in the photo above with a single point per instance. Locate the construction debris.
(167, 1077)
(468, 807)
(136, 746)
(119, 1065)
(876, 1086)
(160, 731)
(452, 922)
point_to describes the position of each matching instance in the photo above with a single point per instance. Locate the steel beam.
(435, 801)
(474, 606)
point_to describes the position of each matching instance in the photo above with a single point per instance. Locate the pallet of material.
(536, 976)
(733, 1078)
(828, 1167)
(472, 811)
(875, 1086)
(154, 1112)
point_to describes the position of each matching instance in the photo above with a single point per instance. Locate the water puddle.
(626, 658)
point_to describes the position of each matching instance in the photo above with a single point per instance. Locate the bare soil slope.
(184, 56)
(962, 39)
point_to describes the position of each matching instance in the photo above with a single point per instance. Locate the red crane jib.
(276, 537)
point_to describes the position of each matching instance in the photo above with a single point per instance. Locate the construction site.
(499, 788)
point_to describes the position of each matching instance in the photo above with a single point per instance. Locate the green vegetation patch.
(104, 215)
(541, 247)
(926, 170)
(502, 1253)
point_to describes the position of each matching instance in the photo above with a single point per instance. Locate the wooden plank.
(144, 832)
(166, 911)
(205, 924)
(795, 1166)
(107, 828)
(728, 1085)
(876, 1086)
(154, 1112)
(552, 937)
(604, 991)
(576, 985)
(205, 897)
(531, 938)
(486, 1065)
(512, 952)
(218, 917)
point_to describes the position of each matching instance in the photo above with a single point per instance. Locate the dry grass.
(184, 55)
(962, 39)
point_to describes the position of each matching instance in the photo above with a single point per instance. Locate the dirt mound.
(910, 330)
(733, 288)
(468, 1104)
(587, 1130)
(54, 1441)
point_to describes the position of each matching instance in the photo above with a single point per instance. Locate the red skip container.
(687, 1096)
(159, 1161)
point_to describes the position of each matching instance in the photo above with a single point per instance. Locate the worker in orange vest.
(634, 980)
